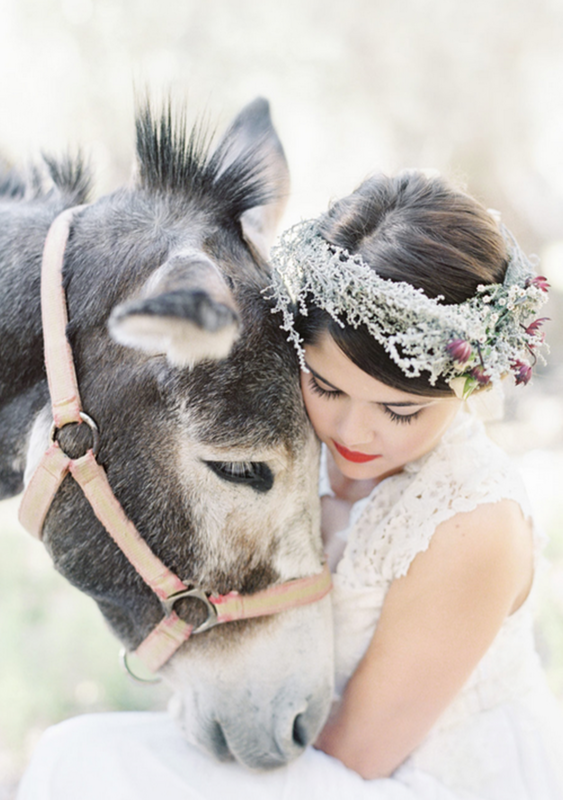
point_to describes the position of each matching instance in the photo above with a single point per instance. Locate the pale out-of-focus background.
(472, 89)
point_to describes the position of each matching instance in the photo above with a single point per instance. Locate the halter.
(172, 631)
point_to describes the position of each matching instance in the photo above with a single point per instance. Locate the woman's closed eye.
(331, 394)
(404, 419)
(318, 389)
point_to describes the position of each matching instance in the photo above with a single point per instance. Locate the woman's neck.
(348, 489)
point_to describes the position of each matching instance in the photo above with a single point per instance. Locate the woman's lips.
(353, 455)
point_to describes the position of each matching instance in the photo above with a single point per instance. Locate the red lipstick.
(353, 455)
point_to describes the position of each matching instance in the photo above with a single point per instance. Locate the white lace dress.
(500, 739)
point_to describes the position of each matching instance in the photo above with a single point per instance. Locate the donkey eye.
(255, 474)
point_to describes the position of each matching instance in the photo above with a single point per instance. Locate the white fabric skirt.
(143, 756)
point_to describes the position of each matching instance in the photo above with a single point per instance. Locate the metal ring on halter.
(91, 424)
(199, 594)
(124, 661)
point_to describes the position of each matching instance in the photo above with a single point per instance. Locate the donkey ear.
(252, 136)
(186, 312)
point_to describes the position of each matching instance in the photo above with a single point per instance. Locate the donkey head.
(203, 433)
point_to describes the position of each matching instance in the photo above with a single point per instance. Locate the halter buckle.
(199, 594)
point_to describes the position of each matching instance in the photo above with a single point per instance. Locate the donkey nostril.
(219, 742)
(300, 736)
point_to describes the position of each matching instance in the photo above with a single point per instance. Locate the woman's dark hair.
(417, 229)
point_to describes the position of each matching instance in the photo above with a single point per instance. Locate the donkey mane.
(12, 185)
(67, 178)
(172, 160)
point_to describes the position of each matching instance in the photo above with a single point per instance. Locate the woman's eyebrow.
(320, 378)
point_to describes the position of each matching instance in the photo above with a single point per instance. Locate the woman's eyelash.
(401, 418)
(323, 392)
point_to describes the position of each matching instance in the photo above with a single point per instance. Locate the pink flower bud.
(480, 375)
(540, 281)
(522, 372)
(534, 326)
(459, 350)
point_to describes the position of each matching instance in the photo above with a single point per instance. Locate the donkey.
(203, 434)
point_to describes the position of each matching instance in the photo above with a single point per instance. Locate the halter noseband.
(172, 631)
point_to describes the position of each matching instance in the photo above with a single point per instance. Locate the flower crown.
(470, 344)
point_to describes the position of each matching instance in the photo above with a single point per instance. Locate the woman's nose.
(356, 428)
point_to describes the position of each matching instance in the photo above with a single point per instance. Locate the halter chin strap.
(172, 631)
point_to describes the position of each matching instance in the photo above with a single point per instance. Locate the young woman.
(403, 300)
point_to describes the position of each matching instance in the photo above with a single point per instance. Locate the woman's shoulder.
(492, 542)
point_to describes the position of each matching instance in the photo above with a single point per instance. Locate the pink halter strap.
(172, 631)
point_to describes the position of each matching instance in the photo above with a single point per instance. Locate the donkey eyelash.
(255, 474)
(322, 392)
(238, 469)
(405, 419)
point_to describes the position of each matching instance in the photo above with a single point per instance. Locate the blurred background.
(474, 90)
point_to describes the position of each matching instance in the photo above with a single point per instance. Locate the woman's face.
(371, 429)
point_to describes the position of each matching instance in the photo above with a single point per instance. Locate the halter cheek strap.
(172, 631)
